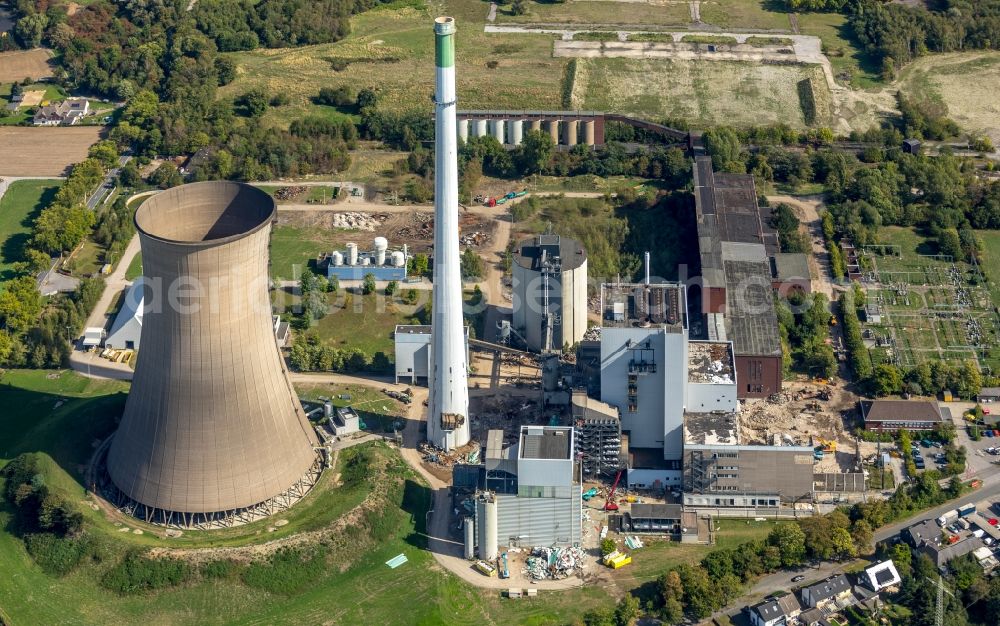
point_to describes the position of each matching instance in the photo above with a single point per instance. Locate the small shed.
(988, 394)
(345, 421)
(911, 146)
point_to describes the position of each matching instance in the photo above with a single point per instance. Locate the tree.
(627, 610)
(166, 176)
(790, 540)
(418, 265)
(391, 288)
(29, 29)
(843, 544)
(472, 264)
(128, 175)
(607, 546)
(949, 243)
(886, 380)
(723, 145)
(254, 102)
(368, 285)
(535, 152)
(20, 303)
(341, 96)
(367, 99)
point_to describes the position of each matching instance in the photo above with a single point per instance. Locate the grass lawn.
(18, 208)
(850, 65)
(134, 268)
(88, 260)
(719, 92)
(363, 322)
(294, 250)
(354, 585)
(393, 49)
(599, 12)
(744, 14)
(378, 411)
(52, 92)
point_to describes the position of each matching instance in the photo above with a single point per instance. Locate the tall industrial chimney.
(448, 420)
(213, 433)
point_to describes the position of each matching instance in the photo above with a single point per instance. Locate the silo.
(486, 526)
(498, 130)
(480, 128)
(337, 259)
(352, 253)
(398, 258)
(516, 132)
(536, 124)
(381, 245)
(212, 433)
(571, 132)
(463, 130)
(553, 126)
(549, 283)
(588, 132)
(470, 538)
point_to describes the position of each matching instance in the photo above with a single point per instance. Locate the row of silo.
(511, 131)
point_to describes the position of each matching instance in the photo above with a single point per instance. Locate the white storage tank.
(381, 245)
(352, 253)
(337, 259)
(486, 526)
(470, 539)
(398, 258)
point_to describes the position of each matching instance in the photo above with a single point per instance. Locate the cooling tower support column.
(516, 132)
(448, 417)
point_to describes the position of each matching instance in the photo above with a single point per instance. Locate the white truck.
(947, 518)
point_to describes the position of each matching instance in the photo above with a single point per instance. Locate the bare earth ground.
(27, 151)
(21, 64)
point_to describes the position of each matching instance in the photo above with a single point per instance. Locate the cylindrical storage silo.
(463, 130)
(536, 124)
(480, 128)
(470, 539)
(588, 132)
(516, 132)
(381, 245)
(337, 259)
(498, 130)
(570, 132)
(352, 253)
(328, 409)
(553, 126)
(212, 428)
(486, 526)
(557, 267)
(398, 258)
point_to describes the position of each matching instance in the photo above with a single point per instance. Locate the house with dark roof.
(775, 611)
(834, 590)
(891, 415)
(941, 554)
(927, 531)
(65, 113)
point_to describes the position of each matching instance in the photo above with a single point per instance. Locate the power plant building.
(536, 500)
(213, 433)
(126, 331)
(413, 347)
(549, 280)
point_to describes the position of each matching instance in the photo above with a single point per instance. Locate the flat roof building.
(891, 415)
(790, 272)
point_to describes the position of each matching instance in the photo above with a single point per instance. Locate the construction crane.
(610, 505)
(941, 590)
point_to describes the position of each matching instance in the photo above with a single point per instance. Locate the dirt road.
(807, 210)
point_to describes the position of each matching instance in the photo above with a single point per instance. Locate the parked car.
(798, 578)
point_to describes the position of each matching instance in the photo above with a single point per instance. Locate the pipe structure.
(448, 420)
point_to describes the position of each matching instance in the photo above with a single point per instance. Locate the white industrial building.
(549, 281)
(355, 264)
(532, 495)
(413, 353)
(127, 328)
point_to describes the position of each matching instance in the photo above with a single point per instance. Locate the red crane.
(610, 504)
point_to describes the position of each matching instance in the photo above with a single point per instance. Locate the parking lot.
(979, 458)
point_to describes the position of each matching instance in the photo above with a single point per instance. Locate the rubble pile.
(422, 227)
(553, 563)
(405, 396)
(469, 453)
(357, 221)
(289, 193)
(475, 238)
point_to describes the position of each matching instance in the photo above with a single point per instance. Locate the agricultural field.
(21, 64)
(59, 414)
(714, 92)
(964, 84)
(850, 65)
(23, 200)
(744, 15)
(933, 307)
(44, 151)
(600, 12)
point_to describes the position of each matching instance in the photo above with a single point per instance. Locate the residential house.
(834, 591)
(881, 575)
(775, 611)
(15, 102)
(941, 554)
(923, 532)
(65, 113)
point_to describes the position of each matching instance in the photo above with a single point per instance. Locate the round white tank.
(366, 261)
(352, 253)
(381, 245)
(398, 258)
(470, 539)
(486, 527)
(337, 259)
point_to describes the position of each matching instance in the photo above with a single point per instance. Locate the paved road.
(109, 183)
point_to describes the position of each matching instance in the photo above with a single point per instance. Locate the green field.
(363, 322)
(718, 92)
(18, 207)
(134, 267)
(294, 250)
(598, 12)
(744, 15)
(850, 65)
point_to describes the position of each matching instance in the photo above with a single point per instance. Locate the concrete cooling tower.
(213, 433)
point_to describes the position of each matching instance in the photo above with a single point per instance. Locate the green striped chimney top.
(444, 49)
